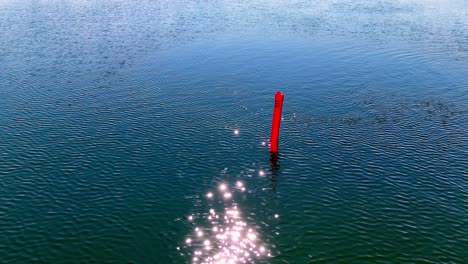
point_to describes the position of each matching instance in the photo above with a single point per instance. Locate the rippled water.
(121, 120)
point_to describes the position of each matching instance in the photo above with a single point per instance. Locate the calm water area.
(137, 131)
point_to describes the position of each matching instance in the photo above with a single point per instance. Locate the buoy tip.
(279, 94)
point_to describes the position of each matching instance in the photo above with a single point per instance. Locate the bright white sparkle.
(261, 173)
(222, 187)
(236, 131)
(227, 195)
(209, 195)
(276, 215)
(251, 236)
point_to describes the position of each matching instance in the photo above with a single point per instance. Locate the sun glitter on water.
(224, 236)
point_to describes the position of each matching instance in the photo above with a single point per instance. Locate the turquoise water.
(137, 131)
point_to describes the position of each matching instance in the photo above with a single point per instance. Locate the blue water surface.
(121, 121)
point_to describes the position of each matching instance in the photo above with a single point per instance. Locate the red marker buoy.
(275, 125)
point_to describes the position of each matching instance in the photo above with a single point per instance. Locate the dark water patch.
(404, 113)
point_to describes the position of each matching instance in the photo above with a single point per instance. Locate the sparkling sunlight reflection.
(227, 238)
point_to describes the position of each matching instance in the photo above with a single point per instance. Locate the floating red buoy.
(275, 126)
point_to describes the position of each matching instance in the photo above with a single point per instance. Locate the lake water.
(137, 131)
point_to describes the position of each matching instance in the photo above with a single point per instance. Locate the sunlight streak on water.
(225, 236)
